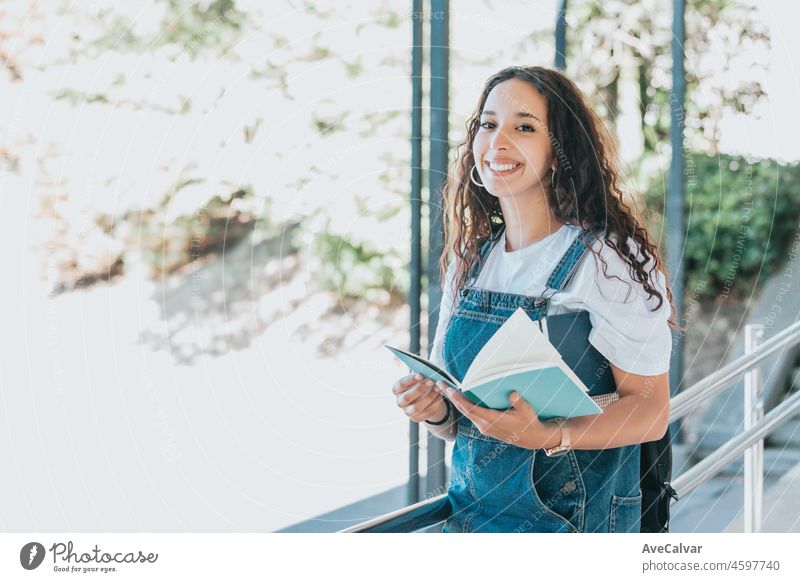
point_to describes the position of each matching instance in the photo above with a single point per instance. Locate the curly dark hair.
(585, 189)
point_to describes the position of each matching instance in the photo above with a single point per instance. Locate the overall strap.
(566, 268)
(562, 274)
(484, 251)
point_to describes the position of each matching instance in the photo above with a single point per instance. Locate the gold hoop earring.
(473, 180)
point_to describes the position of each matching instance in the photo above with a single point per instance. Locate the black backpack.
(655, 476)
(657, 493)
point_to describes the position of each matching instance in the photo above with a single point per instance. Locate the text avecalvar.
(671, 549)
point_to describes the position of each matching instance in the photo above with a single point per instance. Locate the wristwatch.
(565, 445)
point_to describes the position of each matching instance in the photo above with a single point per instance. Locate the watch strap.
(566, 440)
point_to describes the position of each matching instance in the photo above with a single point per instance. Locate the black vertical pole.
(415, 288)
(439, 151)
(561, 36)
(676, 234)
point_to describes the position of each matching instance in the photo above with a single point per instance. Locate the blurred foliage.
(241, 143)
(212, 26)
(352, 270)
(741, 217)
(605, 37)
(197, 26)
(218, 226)
(204, 125)
(356, 269)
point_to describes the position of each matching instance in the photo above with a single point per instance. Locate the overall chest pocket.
(471, 313)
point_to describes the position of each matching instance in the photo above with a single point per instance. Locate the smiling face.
(512, 149)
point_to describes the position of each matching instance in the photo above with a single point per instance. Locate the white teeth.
(502, 167)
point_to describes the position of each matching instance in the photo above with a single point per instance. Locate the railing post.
(753, 455)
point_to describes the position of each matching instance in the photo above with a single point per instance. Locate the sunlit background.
(205, 232)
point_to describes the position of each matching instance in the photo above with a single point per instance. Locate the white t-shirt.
(626, 331)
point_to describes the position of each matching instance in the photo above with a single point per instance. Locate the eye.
(526, 127)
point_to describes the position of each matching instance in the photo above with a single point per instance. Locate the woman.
(535, 218)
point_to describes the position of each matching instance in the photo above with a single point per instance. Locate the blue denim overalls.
(499, 487)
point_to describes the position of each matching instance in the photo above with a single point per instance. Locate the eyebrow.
(519, 114)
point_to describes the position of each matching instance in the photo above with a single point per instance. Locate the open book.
(517, 357)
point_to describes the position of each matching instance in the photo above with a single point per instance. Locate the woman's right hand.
(419, 399)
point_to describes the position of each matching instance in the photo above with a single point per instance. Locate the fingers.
(481, 417)
(425, 409)
(418, 397)
(415, 393)
(518, 403)
(406, 383)
(421, 407)
(461, 402)
(431, 410)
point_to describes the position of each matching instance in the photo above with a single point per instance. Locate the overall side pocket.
(625, 514)
(558, 488)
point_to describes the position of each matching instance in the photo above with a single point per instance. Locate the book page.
(518, 343)
(498, 373)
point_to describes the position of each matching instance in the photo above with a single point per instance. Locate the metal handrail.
(428, 512)
(411, 518)
(754, 455)
(716, 461)
(683, 403)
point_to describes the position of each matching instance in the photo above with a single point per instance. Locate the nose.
(499, 140)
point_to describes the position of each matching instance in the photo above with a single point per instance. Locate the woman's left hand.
(519, 425)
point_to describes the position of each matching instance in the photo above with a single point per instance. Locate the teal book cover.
(517, 357)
